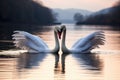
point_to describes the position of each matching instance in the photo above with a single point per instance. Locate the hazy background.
(92, 5)
(29, 15)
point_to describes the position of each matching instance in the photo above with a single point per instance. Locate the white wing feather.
(89, 42)
(25, 40)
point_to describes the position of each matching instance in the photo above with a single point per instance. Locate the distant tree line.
(110, 18)
(24, 12)
(22, 15)
(78, 17)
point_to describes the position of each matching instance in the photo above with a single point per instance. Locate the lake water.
(102, 64)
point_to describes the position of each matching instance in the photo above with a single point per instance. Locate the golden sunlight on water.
(103, 64)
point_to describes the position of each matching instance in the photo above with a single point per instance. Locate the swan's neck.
(63, 38)
(64, 48)
(57, 46)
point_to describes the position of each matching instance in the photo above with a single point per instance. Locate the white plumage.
(85, 44)
(25, 40)
(33, 43)
(89, 42)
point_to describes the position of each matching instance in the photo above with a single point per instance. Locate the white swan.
(84, 45)
(33, 43)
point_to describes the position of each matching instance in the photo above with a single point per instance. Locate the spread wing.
(89, 42)
(25, 40)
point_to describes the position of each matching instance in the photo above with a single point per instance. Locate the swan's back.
(25, 40)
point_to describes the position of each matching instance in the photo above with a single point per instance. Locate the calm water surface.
(103, 64)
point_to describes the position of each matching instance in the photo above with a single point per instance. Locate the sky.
(92, 5)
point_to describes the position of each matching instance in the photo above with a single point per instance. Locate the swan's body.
(33, 43)
(84, 45)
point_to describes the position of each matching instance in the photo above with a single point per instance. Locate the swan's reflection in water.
(90, 61)
(63, 58)
(56, 65)
(30, 60)
(60, 66)
(56, 55)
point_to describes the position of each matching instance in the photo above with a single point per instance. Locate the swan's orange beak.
(59, 35)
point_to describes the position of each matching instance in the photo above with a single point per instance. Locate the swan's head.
(63, 27)
(58, 31)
